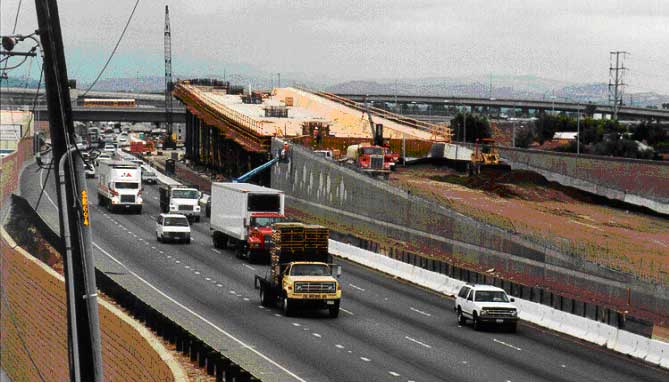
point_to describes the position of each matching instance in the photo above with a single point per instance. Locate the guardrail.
(216, 364)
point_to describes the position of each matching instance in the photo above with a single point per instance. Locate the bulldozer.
(486, 157)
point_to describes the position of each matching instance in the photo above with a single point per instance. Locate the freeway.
(387, 330)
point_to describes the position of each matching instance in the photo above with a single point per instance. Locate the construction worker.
(283, 154)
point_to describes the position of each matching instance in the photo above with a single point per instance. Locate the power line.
(114, 50)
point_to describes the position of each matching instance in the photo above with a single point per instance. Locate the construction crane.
(377, 130)
(169, 141)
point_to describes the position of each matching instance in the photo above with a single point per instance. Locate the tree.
(524, 137)
(477, 127)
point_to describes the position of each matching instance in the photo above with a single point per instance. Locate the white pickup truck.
(486, 304)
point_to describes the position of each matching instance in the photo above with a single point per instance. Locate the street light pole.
(578, 130)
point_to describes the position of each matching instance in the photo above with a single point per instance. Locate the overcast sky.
(354, 40)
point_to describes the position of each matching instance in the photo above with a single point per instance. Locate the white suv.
(486, 304)
(174, 227)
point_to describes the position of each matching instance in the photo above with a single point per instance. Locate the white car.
(486, 304)
(89, 170)
(172, 227)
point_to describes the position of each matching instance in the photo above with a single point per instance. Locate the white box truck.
(119, 186)
(242, 215)
(180, 199)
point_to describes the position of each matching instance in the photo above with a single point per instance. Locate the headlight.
(514, 312)
(484, 312)
(197, 208)
(298, 288)
(173, 207)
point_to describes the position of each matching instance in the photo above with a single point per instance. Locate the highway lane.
(387, 330)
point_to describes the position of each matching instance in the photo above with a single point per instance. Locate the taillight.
(114, 192)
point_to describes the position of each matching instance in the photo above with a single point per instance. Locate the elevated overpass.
(80, 113)
(625, 112)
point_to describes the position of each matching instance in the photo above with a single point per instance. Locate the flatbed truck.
(301, 272)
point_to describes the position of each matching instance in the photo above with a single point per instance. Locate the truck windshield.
(176, 221)
(126, 185)
(491, 296)
(265, 221)
(310, 270)
(187, 194)
(372, 150)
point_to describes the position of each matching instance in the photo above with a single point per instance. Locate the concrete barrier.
(641, 348)
(574, 325)
(664, 361)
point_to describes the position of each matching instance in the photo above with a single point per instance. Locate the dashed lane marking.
(203, 319)
(295, 324)
(339, 346)
(356, 287)
(420, 312)
(249, 267)
(346, 311)
(217, 251)
(393, 373)
(417, 342)
(507, 344)
(317, 335)
(207, 279)
(365, 359)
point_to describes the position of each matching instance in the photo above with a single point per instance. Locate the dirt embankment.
(551, 214)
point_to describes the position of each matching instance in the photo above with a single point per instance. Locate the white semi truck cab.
(180, 199)
(119, 186)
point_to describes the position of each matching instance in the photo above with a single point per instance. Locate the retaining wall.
(323, 189)
(638, 182)
(34, 329)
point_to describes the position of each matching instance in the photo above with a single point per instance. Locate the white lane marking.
(418, 342)
(207, 279)
(188, 267)
(41, 185)
(217, 251)
(507, 344)
(393, 373)
(261, 306)
(161, 252)
(246, 299)
(153, 247)
(317, 335)
(232, 292)
(296, 324)
(155, 198)
(464, 362)
(203, 319)
(249, 267)
(197, 273)
(365, 359)
(277, 315)
(339, 346)
(356, 287)
(346, 311)
(178, 261)
(563, 365)
(219, 285)
(420, 312)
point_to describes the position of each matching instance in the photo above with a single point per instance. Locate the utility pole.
(578, 130)
(616, 82)
(84, 345)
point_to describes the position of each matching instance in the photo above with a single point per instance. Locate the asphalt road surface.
(387, 330)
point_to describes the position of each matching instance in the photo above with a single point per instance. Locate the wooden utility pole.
(84, 346)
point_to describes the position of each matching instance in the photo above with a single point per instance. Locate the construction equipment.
(169, 142)
(301, 272)
(485, 156)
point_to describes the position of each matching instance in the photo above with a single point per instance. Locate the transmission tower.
(616, 80)
(169, 143)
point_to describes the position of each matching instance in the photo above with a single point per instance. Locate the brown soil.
(525, 203)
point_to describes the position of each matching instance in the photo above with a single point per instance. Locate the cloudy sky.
(355, 40)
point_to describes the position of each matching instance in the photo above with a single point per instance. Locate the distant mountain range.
(514, 87)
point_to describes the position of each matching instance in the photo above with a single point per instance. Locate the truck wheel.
(158, 238)
(220, 241)
(265, 299)
(513, 327)
(139, 210)
(334, 310)
(477, 323)
(461, 318)
(287, 306)
(101, 201)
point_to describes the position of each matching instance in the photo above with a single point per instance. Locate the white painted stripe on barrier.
(655, 352)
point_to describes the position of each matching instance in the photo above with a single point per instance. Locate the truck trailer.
(242, 215)
(180, 199)
(301, 272)
(119, 186)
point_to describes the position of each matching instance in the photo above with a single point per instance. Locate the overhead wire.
(114, 50)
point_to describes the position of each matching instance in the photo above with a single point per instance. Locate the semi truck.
(301, 272)
(180, 199)
(242, 215)
(119, 186)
